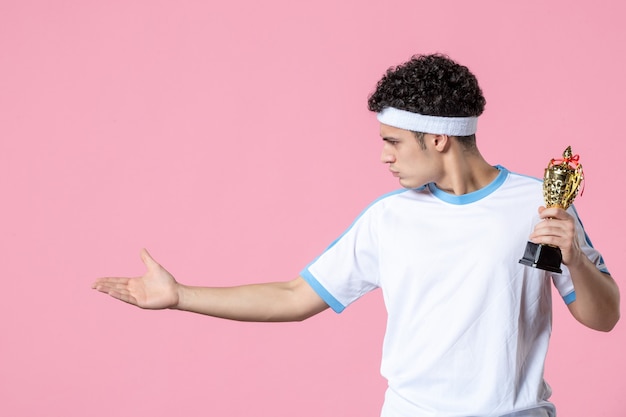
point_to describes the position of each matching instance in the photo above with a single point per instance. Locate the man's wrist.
(181, 293)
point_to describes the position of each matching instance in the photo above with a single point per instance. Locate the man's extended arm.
(597, 294)
(293, 300)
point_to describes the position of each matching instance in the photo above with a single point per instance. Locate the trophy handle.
(578, 178)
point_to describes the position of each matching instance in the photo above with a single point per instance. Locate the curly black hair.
(432, 85)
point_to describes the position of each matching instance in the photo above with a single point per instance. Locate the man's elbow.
(606, 323)
(610, 324)
(603, 319)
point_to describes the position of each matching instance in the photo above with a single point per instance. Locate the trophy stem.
(544, 257)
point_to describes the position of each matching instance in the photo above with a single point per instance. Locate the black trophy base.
(544, 257)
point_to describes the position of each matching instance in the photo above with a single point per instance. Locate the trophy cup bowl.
(561, 181)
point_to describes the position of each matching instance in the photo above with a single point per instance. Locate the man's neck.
(466, 172)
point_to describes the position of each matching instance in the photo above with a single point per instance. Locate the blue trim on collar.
(474, 195)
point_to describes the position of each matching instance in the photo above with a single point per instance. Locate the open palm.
(156, 289)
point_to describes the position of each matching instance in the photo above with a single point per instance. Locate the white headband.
(452, 126)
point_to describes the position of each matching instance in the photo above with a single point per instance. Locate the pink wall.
(233, 140)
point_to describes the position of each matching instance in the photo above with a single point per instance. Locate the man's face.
(413, 165)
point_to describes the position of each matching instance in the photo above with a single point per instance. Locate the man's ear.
(441, 142)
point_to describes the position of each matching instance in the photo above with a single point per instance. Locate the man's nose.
(387, 157)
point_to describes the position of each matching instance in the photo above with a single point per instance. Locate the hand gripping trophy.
(561, 181)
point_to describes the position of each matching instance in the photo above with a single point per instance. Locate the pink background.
(233, 141)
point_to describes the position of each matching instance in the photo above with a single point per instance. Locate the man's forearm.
(271, 302)
(597, 296)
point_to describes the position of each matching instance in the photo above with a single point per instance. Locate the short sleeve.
(348, 268)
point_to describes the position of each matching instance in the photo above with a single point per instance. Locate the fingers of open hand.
(116, 288)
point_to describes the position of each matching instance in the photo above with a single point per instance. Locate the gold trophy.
(561, 181)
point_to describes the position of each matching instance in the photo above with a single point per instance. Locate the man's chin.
(409, 185)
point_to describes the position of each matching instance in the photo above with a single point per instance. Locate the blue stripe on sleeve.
(570, 298)
(322, 292)
(602, 266)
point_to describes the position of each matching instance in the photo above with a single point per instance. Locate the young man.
(468, 325)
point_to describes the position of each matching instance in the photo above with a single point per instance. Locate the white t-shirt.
(468, 325)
